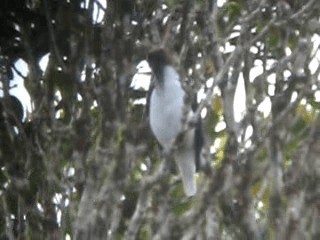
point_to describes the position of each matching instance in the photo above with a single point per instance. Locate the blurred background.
(78, 160)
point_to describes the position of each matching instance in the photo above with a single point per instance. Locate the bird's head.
(157, 60)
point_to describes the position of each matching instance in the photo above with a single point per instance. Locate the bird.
(166, 112)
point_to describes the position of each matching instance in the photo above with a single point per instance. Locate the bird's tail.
(186, 164)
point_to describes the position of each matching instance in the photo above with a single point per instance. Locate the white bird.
(165, 116)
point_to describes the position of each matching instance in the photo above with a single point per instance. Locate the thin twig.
(52, 37)
(18, 72)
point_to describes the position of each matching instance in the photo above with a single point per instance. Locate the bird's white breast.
(166, 106)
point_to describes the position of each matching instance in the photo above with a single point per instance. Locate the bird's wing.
(151, 87)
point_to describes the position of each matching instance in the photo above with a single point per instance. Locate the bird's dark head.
(157, 60)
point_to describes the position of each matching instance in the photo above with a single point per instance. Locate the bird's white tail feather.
(186, 164)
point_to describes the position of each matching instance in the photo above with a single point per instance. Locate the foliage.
(83, 163)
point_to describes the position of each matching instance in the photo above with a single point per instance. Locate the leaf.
(274, 37)
(306, 115)
(233, 9)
